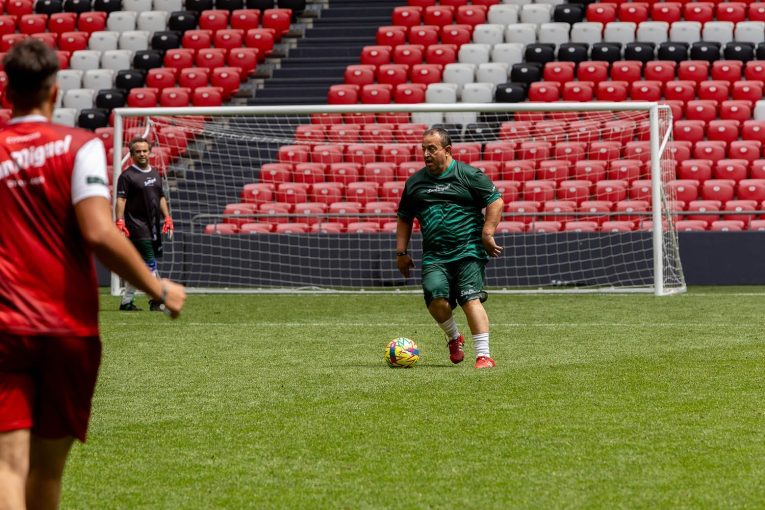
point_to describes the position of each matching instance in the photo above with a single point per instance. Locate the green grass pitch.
(285, 401)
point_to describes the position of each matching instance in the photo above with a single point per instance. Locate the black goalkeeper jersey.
(142, 190)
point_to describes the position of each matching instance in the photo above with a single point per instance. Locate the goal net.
(305, 198)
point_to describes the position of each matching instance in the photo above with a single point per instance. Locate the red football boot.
(456, 354)
(484, 362)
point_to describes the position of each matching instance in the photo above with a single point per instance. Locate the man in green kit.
(447, 198)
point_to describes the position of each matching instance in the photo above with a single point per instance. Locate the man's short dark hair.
(31, 67)
(138, 139)
(443, 134)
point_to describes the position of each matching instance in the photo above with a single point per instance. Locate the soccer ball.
(402, 353)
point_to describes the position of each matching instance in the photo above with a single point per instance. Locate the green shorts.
(458, 282)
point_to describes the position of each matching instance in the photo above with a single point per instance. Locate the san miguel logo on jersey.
(439, 189)
(151, 181)
(33, 157)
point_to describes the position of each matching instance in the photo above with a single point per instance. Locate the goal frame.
(657, 147)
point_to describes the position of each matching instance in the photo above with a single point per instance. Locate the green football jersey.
(448, 208)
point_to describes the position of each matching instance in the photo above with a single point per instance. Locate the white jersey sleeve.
(89, 177)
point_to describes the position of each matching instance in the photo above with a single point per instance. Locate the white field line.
(654, 325)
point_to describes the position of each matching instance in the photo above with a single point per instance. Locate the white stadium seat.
(119, 21)
(78, 98)
(488, 34)
(117, 59)
(98, 79)
(718, 31)
(524, 33)
(85, 59)
(503, 14)
(167, 5)
(152, 21)
(136, 5)
(622, 32)
(492, 72)
(750, 31)
(459, 74)
(508, 53)
(535, 13)
(685, 31)
(655, 32)
(589, 32)
(555, 33)
(759, 110)
(65, 116)
(474, 53)
(69, 79)
(103, 40)
(134, 40)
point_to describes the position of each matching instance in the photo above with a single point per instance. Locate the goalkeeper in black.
(448, 198)
(141, 206)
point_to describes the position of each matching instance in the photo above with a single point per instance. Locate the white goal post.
(302, 198)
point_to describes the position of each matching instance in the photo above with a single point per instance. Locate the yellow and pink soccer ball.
(402, 353)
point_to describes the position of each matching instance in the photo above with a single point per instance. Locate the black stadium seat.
(640, 51)
(147, 59)
(260, 4)
(109, 99)
(568, 13)
(705, 50)
(606, 51)
(127, 79)
(180, 21)
(93, 118)
(510, 93)
(229, 5)
(78, 6)
(573, 52)
(165, 40)
(675, 51)
(540, 53)
(199, 5)
(107, 5)
(48, 6)
(297, 6)
(481, 131)
(743, 51)
(528, 72)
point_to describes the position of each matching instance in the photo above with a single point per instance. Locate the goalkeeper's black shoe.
(156, 306)
(129, 307)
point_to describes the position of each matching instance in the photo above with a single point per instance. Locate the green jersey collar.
(448, 170)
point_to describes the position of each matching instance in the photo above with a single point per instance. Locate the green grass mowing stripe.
(230, 416)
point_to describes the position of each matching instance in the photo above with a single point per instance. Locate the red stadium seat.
(408, 93)
(697, 169)
(262, 39)
(748, 150)
(276, 211)
(221, 229)
(408, 54)
(193, 77)
(638, 150)
(570, 151)
(753, 130)
(362, 192)
(612, 91)
(294, 154)
(384, 211)
(499, 150)
(376, 93)
(727, 226)
(174, 97)
(718, 189)
(359, 74)
(438, 15)
(598, 210)
(625, 170)
(377, 133)
(470, 15)
(257, 193)
(712, 150)
(456, 34)
(161, 77)
(612, 191)
(617, 226)
(309, 173)
(538, 191)
(646, 91)
(19, 7)
(666, 11)
(207, 96)
(693, 70)
(244, 58)
(601, 12)
(579, 91)
(631, 210)
(426, 73)
(544, 227)
(748, 90)
(441, 54)
(179, 58)
(228, 38)
(391, 35)
(344, 172)
(196, 39)
(327, 192)
(561, 72)
(685, 190)
(704, 110)
(544, 92)
(553, 170)
(327, 153)
(49, 39)
(406, 16)
(142, 97)
(292, 193)
(682, 90)
(210, 58)
(755, 69)
(691, 225)
(733, 169)
(559, 210)
(490, 168)
(691, 130)
(592, 171)
(731, 11)
(379, 172)
(466, 151)
(90, 22)
(594, 71)
(574, 190)
(343, 94)
(392, 74)
(641, 190)
(239, 214)
(704, 208)
(278, 20)
(698, 11)
(275, 173)
(660, 70)
(508, 189)
(391, 191)
(72, 41)
(635, 12)
(245, 19)
(626, 70)
(742, 206)
(311, 213)
(521, 210)
(519, 170)
(395, 153)
(715, 90)
(7, 24)
(736, 110)
(510, 227)
(33, 23)
(727, 70)
(213, 19)
(311, 133)
(751, 189)
(343, 133)
(424, 35)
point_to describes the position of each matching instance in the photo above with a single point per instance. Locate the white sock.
(450, 328)
(129, 294)
(481, 344)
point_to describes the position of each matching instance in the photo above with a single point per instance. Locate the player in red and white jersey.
(56, 214)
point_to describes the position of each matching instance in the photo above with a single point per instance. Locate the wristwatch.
(401, 253)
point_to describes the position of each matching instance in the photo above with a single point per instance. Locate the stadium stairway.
(322, 54)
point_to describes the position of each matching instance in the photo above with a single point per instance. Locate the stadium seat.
(727, 226)
(456, 34)
(718, 189)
